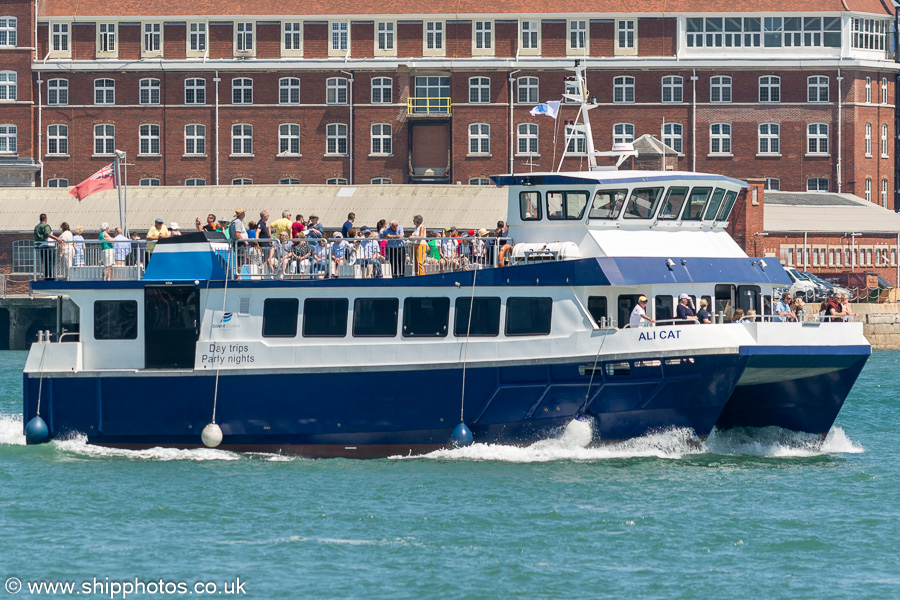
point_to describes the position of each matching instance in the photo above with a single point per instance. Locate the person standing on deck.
(639, 314)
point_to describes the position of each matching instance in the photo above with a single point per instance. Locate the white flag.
(551, 109)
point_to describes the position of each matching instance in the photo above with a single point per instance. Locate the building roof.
(470, 207)
(799, 212)
(456, 9)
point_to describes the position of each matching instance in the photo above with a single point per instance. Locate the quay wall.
(881, 324)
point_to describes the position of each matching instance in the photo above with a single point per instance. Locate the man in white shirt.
(639, 313)
(783, 310)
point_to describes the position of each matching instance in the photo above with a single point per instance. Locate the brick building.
(313, 92)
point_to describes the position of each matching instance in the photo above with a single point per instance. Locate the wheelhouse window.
(528, 316)
(696, 202)
(675, 199)
(280, 317)
(643, 203)
(607, 204)
(115, 319)
(375, 317)
(530, 206)
(425, 317)
(598, 307)
(325, 317)
(484, 319)
(566, 205)
(662, 306)
(715, 201)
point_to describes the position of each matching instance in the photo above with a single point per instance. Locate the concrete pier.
(22, 316)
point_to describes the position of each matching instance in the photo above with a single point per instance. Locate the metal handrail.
(418, 105)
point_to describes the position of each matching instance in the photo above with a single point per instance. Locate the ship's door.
(171, 326)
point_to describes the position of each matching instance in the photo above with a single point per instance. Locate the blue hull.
(383, 413)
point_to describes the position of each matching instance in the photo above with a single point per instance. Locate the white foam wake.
(78, 444)
(777, 442)
(11, 430)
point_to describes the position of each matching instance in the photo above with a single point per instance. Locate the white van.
(801, 286)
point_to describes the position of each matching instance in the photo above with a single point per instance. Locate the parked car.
(801, 286)
(832, 289)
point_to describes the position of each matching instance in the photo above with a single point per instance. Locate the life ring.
(504, 250)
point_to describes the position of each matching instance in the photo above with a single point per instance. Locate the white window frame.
(720, 84)
(884, 90)
(197, 43)
(531, 87)
(292, 38)
(58, 92)
(336, 181)
(289, 139)
(150, 91)
(242, 181)
(817, 89)
(482, 38)
(194, 181)
(9, 86)
(9, 138)
(623, 133)
(769, 89)
(530, 37)
(868, 140)
(9, 32)
(868, 90)
(577, 38)
(434, 38)
(623, 89)
(769, 139)
(575, 140)
(107, 92)
(197, 85)
(245, 38)
(149, 182)
(673, 136)
(338, 38)
(381, 181)
(720, 139)
(385, 38)
(57, 182)
(241, 139)
(382, 140)
(884, 140)
(336, 90)
(817, 142)
(674, 85)
(241, 90)
(626, 37)
(60, 46)
(868, 193)
(814, 184)
(289, 181)
(336, 139)
(289, 90)
(479, 90)
(152, 39)
(148, 137)
(884, 192)
(382, 91)
(772, 183)
(195, 139)
(479, 181)
(104, 139)
(58, 140)
(107, 40)
(527, 140)
(479, 139)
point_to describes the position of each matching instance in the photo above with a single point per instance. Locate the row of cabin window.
(726, 297)
(690, 204)
(422, 317)
(479, 90)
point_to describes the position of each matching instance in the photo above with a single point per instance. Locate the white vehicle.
(801, 285)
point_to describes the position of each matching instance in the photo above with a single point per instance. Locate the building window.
(672, 89)
(716, 32)
(884, 90)
(382, 90)
(104, 91)
(527, 140)
(479, 181)
(479, 138)
(149, 139)
(336, 138)
(194, 181)
(868, 90)
(381, 139)
(197, 37)
(336, 90)
(336, 181)
(720, 138)
(623, 133)
(868, 34)
(869, 139)
(58, 139)
(243, 40)
(289, 139)
(8, 85)
(149, 182)
(479, 90)
(770, 88)
(720, 88)
(242, 181)
(242, 90)
(623, 89)
(577, 35)
(8, 32)
(817, 138)
(381, 181)
(385, 36)
(625, 30)
(884, 141)
(817, 88)
(289, 90)
(527, 90)
(434, 35)
(106, 38)
(868, 190)
(530, 35)
(8, 139)
(817, 184)
(242, 139)
(149, 91)
(884, 193)
(59, 37)
(195, 91)
(152, 37)
(58, 183)
(293, 35)
(484, 35)
(195, 139)
(576, 141)
(769, 138)
(289, 181)
(672, 136)
(773, 184)
(339, 36)
(104, 139)
(58, 92)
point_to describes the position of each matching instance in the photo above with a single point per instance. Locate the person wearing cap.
(685, 311)
(639, 315)
(156, 232)
(174, 229)
(449, 249)
(314, 229)
(338, 252)
(370, 253)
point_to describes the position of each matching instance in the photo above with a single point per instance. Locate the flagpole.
(120, 156)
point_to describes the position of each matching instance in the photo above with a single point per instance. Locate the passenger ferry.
(507, 345)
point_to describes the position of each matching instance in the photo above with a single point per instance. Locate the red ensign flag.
(99, 181)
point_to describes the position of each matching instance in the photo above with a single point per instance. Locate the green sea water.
(763, 514)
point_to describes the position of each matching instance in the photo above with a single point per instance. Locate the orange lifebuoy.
(504, 250)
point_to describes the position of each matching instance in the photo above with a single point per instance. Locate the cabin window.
(530, 206)
(597, 306)
(727, 205)
(767, 305)
(643, 203)
(625, 305)
(280, 317)
(724, 298)
(325, 317)
(607, 204)
(675, 198)
(619, 369)
(485, 317)
(749, 297)
(528, 316)
(566, 205)
(714, 203)
(426, 317)
(375, 317)
(663, 307)
(115, 320)
(696, 201)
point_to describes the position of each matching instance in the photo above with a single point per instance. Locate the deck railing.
(428, 106)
